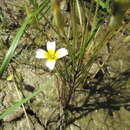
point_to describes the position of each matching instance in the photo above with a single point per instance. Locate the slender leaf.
(23, 101)
(20, 32)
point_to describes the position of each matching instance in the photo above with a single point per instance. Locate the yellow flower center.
(52, 55)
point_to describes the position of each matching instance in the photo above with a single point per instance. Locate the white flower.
(51, 55)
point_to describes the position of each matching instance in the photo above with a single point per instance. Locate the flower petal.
(50, 64)
(61, 53)
(51, 45)
(40, 53)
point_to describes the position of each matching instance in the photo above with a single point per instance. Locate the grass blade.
(23, 101)
(20, 32)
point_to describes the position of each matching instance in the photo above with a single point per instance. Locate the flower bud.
(118, 9)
